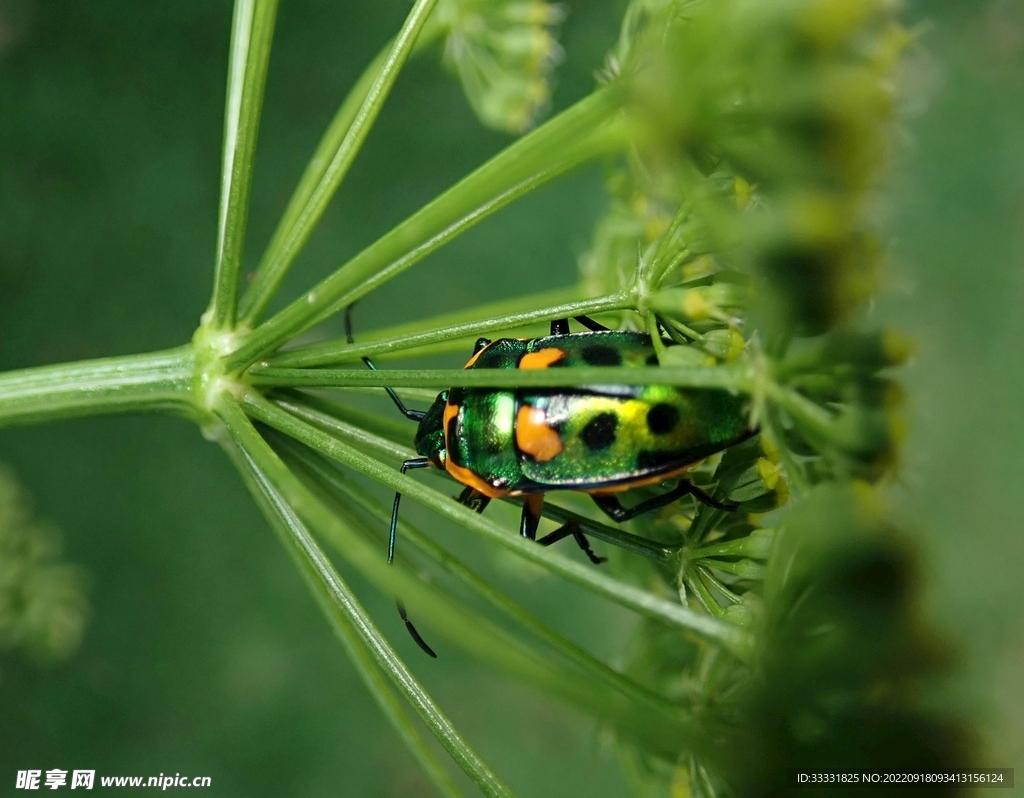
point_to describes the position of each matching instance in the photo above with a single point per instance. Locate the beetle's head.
(429, 438)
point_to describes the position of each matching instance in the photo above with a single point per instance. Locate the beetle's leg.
(416, 462)
(611, 506)
(412, 415)
(413, 632)
(704, 498)
(572, 528)
(473, 499)
(559, 326)
(533, 506)
(590, 324)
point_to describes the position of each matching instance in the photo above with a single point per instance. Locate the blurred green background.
(205, 655)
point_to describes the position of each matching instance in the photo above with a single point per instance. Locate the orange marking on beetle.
(534, 436)
(468, 478)
(542, 358)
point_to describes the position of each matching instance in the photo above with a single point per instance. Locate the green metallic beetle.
(598, 439)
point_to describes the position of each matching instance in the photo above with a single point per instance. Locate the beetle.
(598, 439)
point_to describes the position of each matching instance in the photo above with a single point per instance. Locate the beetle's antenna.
(413, 631)
(412, 415)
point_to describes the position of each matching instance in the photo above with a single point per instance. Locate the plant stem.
(626, 595)
(154, 381)
(728, 378)
(340, 351)
(329, 587)
(651, 549)
(575, 135)
(293, 236)
(291, 531)
(359, 437)
(252, 32)
(498, 600)
(501, 307)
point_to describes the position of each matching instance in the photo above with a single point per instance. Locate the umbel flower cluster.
(743, 142)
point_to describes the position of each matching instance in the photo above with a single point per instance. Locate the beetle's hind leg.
(590, 324)
(561, 326)
(533, 508)
(572, 528)
(610, 505)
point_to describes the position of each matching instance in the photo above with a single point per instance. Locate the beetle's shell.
(594, 438)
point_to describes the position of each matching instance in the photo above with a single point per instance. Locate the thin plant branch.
(295, 537)
(329, 588)
(252, 32)
(581, 132)
(287, 245)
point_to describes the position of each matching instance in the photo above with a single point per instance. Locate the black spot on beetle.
(600, 355)
(662, 419)
(657, 461)
(600, 432)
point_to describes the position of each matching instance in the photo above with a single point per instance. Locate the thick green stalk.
(317, 568)
(626, 595)
(729, 378)
(287, 244)
(340, 351)
(292, 532)
(575, 135)
(155, 381)
(252, 32)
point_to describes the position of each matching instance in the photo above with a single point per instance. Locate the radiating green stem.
(358, 436)
(340, 351)
(286, 245)
(268, 468)
(626, 595)
(501, 307)
(729, 378)
(292, 533)
(497, 599)
(155, 381)
(575, 135)
(252, 32)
